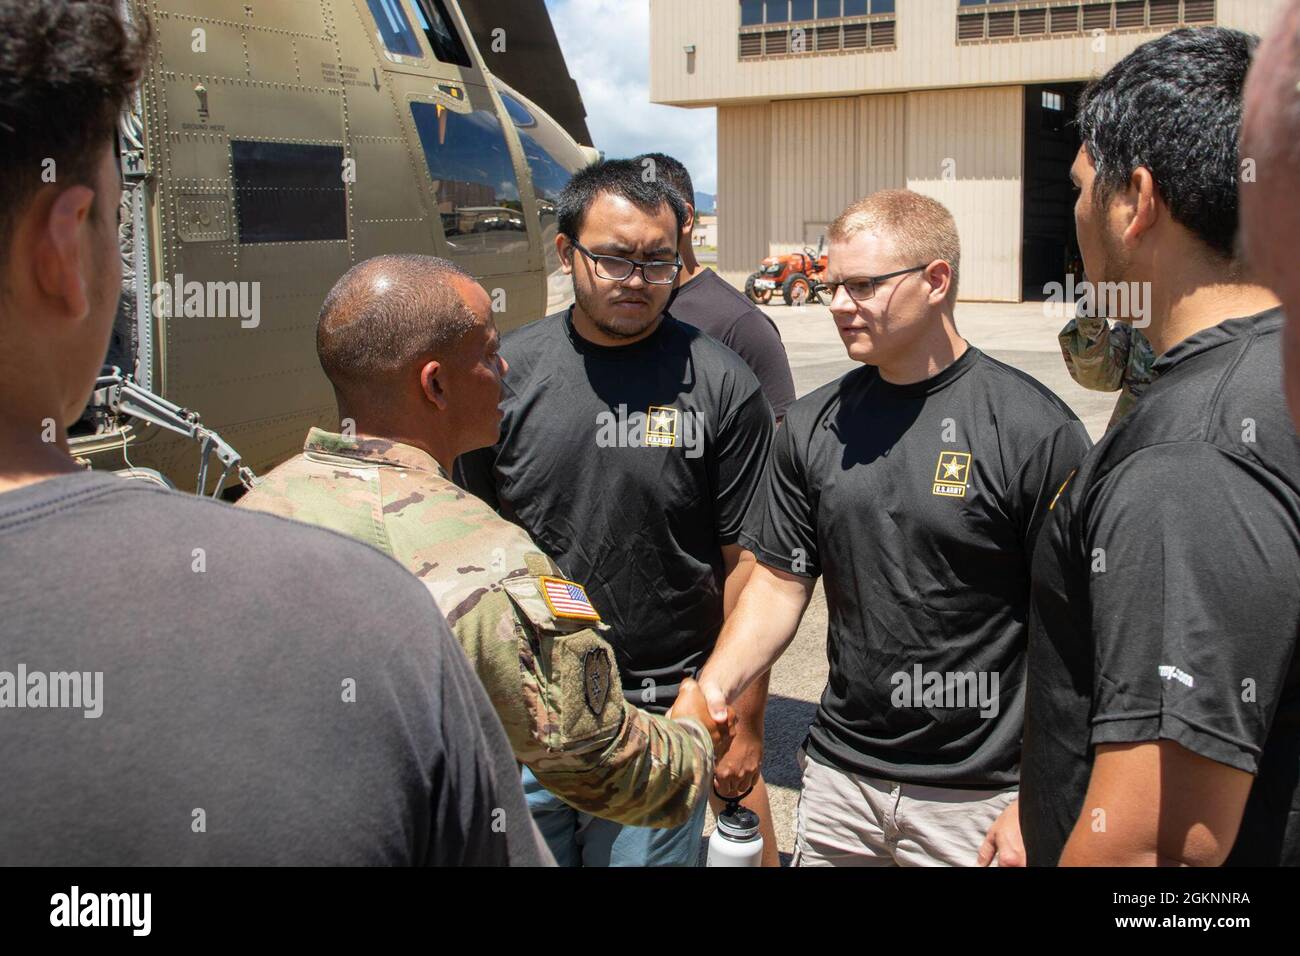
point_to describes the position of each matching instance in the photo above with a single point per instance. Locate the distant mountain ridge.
(706, 204)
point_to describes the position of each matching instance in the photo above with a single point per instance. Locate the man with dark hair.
(1163, 687)
(709, 303)
(630, 447)
(1270, 200)
(409, 344)
(196, 685)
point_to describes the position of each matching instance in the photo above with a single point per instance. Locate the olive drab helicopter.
(272, 145)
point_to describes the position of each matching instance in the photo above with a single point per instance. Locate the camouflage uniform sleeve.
(1096, 352)
(558, 693)
(1137, 376)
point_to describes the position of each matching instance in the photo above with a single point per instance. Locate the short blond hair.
(921, 229)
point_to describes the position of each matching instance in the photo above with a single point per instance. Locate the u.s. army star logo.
(661, 426)
(595, 679)
(952, 474)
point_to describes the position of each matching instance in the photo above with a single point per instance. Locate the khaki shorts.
(846, 819)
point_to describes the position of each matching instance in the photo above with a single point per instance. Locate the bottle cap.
(738, 823)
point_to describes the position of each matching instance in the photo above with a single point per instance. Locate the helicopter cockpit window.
(552, 158)
(550, 173)
(288, 192)
(394, 28)
(518, 112)
(438, 27)
(477, 192)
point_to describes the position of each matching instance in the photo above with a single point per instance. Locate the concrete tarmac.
(1022, 335)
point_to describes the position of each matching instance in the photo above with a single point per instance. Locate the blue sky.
(606, 44)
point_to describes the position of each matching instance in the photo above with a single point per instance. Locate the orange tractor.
(795, 274)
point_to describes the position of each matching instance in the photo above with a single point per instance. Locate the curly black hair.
(67, 68)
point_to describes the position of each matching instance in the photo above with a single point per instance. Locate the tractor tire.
(760, 296)
(796, 290)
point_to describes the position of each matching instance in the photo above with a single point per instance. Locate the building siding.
(744, 185)
(800, 137)
(784, 177)
(927, 55)
(964, 148)
(813, 146)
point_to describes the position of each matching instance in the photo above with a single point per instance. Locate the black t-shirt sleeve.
(755, 339)
(1041, 475)
(474, 471)
(781, 528)
(480, 815)
(1194, 604)
(743, 441)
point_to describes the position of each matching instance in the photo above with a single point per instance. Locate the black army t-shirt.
(1166, 603)
(233, 689)
(918, 506)
(630, 466)
(710, 304)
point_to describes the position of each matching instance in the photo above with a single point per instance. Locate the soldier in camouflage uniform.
(532, 637)
(1106, 357)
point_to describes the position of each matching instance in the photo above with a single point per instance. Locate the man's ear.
(562, 245)
(431, 383)
(689, 225)
(1144, 201)
(939, 275)
(59, 233)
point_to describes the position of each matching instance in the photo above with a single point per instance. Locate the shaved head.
(388, 314)
(1270, 206)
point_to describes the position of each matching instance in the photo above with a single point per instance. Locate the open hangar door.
(1050, 250)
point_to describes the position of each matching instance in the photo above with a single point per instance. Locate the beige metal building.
(706, 231)
(823, 101)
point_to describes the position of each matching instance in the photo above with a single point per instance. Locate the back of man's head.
(1174, 106)
(67, 68)
(672, 172)
(626, 178)
(920, 229)
(385, 316)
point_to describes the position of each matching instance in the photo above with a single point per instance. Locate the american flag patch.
(566, 599)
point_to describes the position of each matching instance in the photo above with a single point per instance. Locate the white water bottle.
(736, 840)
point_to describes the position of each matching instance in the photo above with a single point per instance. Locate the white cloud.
(606, 44)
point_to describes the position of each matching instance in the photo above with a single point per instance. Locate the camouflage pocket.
(588, 693)
(575, 672)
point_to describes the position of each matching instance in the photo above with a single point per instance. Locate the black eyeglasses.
(618, 269)
(862, 288)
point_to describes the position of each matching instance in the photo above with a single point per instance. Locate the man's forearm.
(756, 633)
(751, 705)
(651, 775)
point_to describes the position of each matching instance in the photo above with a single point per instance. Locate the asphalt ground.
(1021, 335)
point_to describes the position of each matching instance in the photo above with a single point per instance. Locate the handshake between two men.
(720, 722)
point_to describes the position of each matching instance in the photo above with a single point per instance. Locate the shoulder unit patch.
(596, 678)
